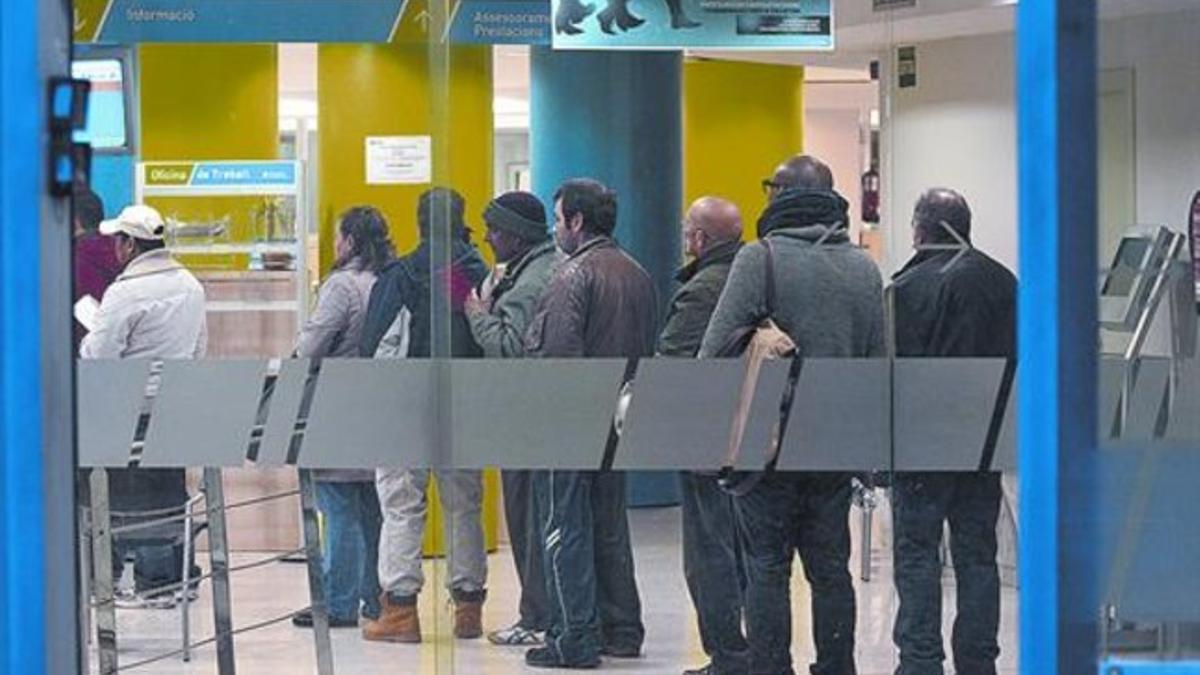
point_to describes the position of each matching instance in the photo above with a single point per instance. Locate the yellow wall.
(740, 120)
(385, 90)
(209, 102)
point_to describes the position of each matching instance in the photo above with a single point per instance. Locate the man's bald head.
(938, 209)
(803, 172)
(717, 220)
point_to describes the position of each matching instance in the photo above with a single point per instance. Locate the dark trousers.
(525, 536)
(712, 565)
(590, 585)
(351, 561)
(922, 502)
(807, 513)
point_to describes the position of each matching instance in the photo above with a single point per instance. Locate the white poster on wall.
(399, 160)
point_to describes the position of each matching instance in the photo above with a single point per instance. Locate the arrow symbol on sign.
(423, 19)
(80, 20)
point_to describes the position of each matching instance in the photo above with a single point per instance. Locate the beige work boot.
(398, 622)
(468, 620)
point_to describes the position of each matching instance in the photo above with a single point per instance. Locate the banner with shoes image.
(693, 24)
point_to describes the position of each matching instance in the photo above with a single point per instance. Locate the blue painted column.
(22, 554)
(616, 117)
(1057, 329)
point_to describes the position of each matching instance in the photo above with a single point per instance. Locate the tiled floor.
(671, 643)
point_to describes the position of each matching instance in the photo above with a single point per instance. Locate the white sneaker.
(516, 635)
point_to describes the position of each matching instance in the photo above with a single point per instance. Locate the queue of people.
(568, 290)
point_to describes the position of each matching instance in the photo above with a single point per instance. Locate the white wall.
(955, 129)
(958, 127)
(1164, 52)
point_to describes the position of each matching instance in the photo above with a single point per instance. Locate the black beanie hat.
(520, 213)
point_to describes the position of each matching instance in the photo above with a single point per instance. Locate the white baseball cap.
(139, 222)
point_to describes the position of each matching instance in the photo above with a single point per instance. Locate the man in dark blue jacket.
(950, 300)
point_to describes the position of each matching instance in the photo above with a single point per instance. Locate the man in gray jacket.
(830, 302)
(712, 236)
(600, 303)
(526, 259)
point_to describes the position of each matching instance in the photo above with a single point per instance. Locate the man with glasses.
(949, 300)
(712, 236)
(829, 301)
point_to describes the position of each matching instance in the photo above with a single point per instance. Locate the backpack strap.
(769, 270)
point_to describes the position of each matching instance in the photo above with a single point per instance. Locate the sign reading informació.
(471, 21)
(694, 24)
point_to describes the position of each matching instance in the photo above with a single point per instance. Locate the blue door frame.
(22, 540)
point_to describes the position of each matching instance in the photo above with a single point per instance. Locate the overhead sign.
(694, 24)
(499, 22)
(250, 175)
(885, 5)
(471, 21)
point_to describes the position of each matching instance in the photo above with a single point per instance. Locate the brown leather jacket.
(600, 303)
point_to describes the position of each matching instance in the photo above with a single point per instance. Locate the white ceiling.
(860, 34)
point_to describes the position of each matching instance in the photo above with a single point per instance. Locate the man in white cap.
(155, 308)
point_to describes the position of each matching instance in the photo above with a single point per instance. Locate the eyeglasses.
(769, 186)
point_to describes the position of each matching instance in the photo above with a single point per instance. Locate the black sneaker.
(621, 652)
(545, 657)
(304, 619)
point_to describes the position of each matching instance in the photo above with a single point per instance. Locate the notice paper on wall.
(399, 160)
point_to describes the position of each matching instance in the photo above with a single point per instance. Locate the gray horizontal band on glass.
(110, 395)
(206, 409)
(557, 413)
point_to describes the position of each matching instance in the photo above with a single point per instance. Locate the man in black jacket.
(600, 303)
(712, 235)
(950, 300)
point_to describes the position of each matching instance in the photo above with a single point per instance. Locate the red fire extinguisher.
(870, 196)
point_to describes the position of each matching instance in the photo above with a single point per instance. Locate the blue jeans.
(922, 503)
(590, 585)
(351, 556)
(715, 573)
(807, 513)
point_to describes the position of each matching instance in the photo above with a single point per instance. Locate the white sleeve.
(113, 322)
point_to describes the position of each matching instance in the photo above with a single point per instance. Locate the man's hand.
(474, 305)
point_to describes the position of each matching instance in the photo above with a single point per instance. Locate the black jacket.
(693, 304)
(408, 282)
(966, 309)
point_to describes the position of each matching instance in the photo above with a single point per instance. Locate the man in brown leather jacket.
(600, 303)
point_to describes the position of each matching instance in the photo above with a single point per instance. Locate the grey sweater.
(332, 330)
(829, 297)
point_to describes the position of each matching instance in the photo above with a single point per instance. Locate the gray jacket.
(333, 329)
(829, 296)
(501, 332)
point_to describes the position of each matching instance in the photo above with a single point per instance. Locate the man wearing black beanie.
(526, 260)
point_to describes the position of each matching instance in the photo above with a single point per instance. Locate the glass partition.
(418, 348)
(1148, 178)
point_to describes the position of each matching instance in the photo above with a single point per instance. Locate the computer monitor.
(1126, 286)
(110, 112)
